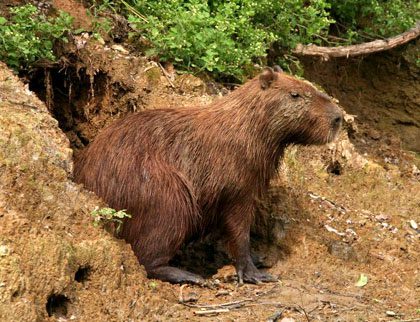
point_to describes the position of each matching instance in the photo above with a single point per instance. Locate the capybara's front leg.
(237, 225)
(245, 268)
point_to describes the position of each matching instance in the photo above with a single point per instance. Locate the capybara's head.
(308, 115)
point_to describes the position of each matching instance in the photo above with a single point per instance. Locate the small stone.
(222, 293)
(191, 297)
(393, 230)
(342, 250)
(333, 230)
(390, 313)
(381, 217)
(413, 224)
(373, 134)
(187, 83)
(120, 49)
(4, 250)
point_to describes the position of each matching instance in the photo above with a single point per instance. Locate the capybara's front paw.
(259, 277)
(250, 274)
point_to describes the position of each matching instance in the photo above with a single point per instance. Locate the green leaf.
(363, 280)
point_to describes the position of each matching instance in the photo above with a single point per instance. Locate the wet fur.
(185, 172)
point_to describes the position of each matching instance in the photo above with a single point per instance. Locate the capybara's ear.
(267, 77)
(278, 69)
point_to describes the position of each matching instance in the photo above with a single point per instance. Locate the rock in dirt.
(343, 251)
(187, 83)
(413, 224)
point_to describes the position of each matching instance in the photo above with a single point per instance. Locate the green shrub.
(228, 37)
(30, 35)
(224, 37)
(375, 18)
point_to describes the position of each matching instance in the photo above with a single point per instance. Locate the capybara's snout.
(336, 116)
(337, 120)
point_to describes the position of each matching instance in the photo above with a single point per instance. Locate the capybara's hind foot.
(256, 278)
(174, 275)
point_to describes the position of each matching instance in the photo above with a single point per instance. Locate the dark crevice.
(82, 274)
(57, 305)
(335, 168)
(73, 98)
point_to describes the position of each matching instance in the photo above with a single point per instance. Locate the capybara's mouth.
(334, 132)
(336, 124)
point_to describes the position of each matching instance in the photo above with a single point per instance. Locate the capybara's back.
(183, 173)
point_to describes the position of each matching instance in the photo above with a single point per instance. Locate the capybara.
(186, 172)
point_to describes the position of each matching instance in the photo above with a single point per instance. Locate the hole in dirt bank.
(82, 274)
(57, 305)
(79, 102)
(335, 168)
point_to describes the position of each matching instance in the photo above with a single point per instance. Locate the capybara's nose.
(337, 120)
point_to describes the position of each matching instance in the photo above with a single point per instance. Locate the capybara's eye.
(294, 94)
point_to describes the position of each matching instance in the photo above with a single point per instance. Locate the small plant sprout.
(109, 215)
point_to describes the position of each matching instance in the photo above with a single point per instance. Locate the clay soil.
(339, 212)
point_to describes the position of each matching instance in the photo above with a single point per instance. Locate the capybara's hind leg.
(174, 275)
(167, 214)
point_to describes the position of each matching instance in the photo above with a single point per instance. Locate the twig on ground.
(234, 304)
(302, 309)
(357, 296)
(214, 311)
(166, 75)
(181, 296)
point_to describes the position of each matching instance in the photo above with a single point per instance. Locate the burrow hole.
(82, 274)
(57, 305)
(335, 168)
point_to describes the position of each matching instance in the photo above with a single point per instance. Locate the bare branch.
(361, 49)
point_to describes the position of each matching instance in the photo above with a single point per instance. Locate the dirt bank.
(53, 263)
(382, 89)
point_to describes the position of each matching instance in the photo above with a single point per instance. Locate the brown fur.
(185, 172)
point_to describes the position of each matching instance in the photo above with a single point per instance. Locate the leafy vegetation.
(30, 35)
(101, 24)
(359, 20)
(225, 37)
(109, 215)
(228, 37)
